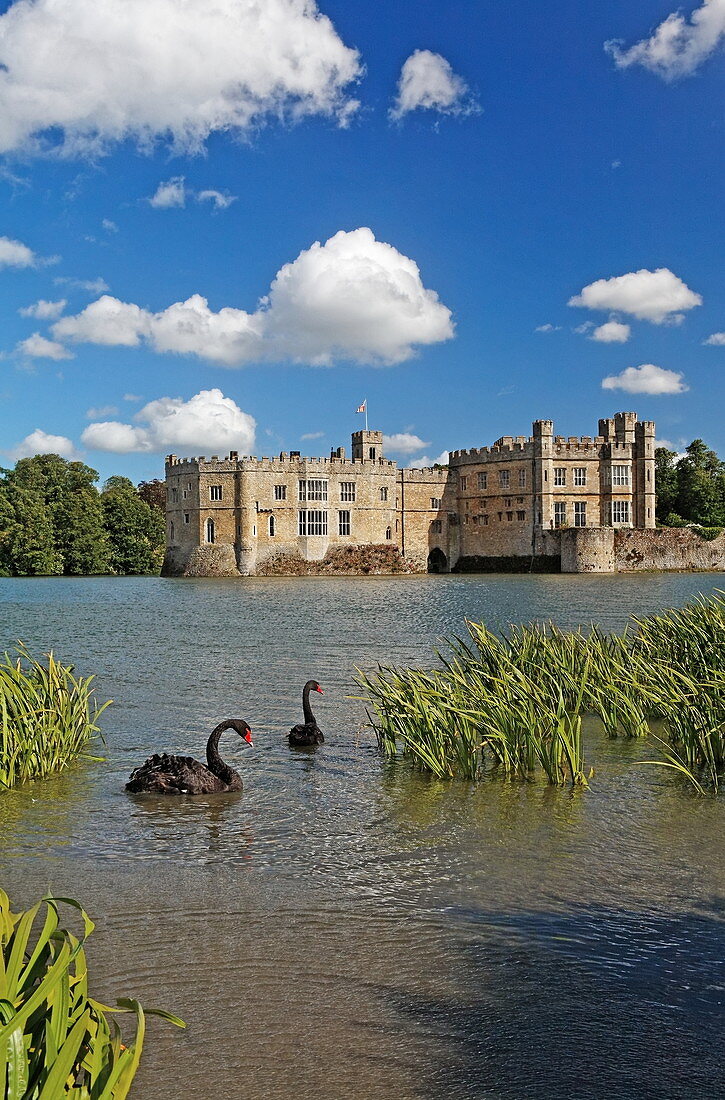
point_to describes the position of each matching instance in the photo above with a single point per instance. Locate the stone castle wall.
(543, 502)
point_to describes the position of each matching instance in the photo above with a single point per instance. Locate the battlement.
(284, 462)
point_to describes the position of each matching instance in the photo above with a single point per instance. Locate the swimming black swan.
(307, 733)
(166, 774)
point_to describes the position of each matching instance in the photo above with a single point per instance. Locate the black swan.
(166, 774)
(307, 733)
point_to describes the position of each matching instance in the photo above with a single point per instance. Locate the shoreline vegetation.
(48, 716)
(511, 707)
(56, 1040)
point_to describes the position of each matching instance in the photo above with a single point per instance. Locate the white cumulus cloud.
(41, 443)
(426, 463)
(352, 298)
(168, 194)
(717, 340)
(207, 423)
(16, 254)
(404, 443)
(656, 296)
(38, 347)
(428, 81)
(98, 71)
(676, 47)
(647, 379)
(101, 412)
(612, 332)
(43, 310)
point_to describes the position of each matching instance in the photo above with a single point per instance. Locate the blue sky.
(528, 166)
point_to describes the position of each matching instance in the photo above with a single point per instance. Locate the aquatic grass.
(55, 1040)
(47, 717)
(512, 705)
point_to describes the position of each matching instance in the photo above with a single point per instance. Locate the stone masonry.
(517, 504)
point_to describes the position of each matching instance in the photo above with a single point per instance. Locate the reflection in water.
(346, 919)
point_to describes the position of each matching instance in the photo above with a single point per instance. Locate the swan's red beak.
(320, 690)
(248, 737)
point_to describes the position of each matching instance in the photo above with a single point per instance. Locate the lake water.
(347, 928)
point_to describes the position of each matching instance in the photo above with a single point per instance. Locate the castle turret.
(543, 433)
(367, 446)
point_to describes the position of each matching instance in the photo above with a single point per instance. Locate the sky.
(225, 224)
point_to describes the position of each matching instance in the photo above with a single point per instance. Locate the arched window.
(388, 533)
(210, 530)
(171, 532)
(384, 493)
(272, 526)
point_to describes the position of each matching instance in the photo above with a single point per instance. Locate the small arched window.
(171, 532)
(388, 533)
(384, 493)
(272, 526)
(210, 530)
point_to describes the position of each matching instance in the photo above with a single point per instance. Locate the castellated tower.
(367, 446)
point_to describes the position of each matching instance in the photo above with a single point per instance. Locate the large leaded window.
(580, 513)
(580, 476)
(347, 490)
(620, 475)
(313, 489)
(215, 492)
(559, 513)
(504, 479)
(343, 522)
(560, 475)
(483, 481)
(620, 511)
(312, 522)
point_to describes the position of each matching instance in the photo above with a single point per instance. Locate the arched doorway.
(437, 561)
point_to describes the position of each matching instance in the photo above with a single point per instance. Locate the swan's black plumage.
(308, 733)
(165, 774)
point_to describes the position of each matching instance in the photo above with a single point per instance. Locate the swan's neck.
(306, 708)
(213, 759)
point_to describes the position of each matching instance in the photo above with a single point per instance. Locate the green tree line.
(54, 520)
(691, 489)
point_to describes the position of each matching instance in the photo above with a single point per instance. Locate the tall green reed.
(55, 1040)
(47, 717)
(512, 705)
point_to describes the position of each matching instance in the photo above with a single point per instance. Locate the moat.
(346, 927)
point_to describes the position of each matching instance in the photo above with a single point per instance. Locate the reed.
(55, 1040)
(47, 717)
(513, 705)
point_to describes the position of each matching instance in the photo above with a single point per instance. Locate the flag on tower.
(361, 408)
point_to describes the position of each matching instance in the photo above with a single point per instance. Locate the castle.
(542, 502)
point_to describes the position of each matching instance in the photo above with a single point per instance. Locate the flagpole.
(366, 414)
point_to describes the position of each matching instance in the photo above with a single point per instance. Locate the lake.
(346, 927)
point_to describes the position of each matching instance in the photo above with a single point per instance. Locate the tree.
(701, 486)
(665, 482)
(30, 549)
(74, 512)
(136, 531)
(153, 493)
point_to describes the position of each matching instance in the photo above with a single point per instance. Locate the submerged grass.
(47, 717)
(512, 706)
(55, 1040)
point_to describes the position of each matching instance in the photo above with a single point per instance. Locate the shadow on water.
(597, 1002)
